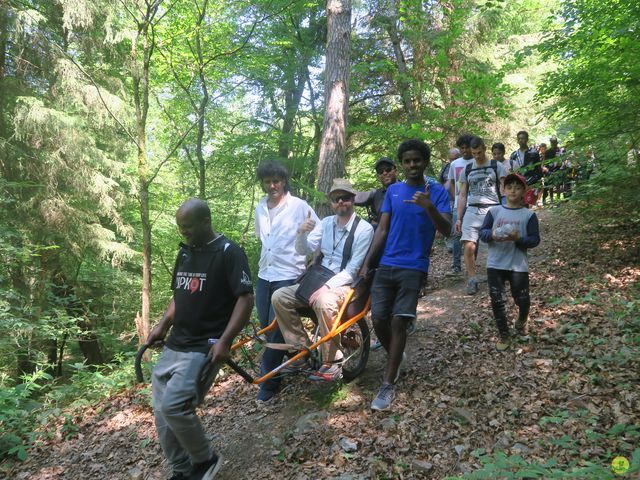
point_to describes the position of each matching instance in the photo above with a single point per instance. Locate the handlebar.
(206, 370)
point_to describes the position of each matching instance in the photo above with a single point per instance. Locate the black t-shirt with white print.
(207, 282)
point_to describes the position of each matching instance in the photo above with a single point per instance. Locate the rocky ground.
(570, 393)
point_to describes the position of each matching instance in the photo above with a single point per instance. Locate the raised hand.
(308, 224)
(422, 199)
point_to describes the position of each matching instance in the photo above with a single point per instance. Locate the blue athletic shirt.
(411, 231)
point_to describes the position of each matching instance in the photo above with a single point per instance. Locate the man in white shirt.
(331, 236)
(278, 215)
(453, 186)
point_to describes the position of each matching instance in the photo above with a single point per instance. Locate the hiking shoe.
(453, 272)
(206, 470)
(472, 286)
(265, 395)
(375, 345)
(411, 326)
(385, 396)
(521, 327)
(297, 366)
(327, 373)
(179, 476)
(401, 367)
(503, 344)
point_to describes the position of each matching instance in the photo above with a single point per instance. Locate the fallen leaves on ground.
(570, 393)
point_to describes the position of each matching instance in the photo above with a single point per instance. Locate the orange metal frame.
(336, 329)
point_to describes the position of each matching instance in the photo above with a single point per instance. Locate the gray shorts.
(471, 223)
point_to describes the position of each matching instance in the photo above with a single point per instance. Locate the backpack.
(493, 165)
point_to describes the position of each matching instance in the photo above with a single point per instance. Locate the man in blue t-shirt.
(411, 213)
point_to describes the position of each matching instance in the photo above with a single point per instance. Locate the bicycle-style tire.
(356, 343)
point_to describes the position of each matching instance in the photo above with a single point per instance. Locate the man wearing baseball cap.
(510, 230)
(387, 174)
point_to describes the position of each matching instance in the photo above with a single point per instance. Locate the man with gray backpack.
(479, 191)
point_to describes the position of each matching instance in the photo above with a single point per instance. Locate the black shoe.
(206, 470)
(179, 476)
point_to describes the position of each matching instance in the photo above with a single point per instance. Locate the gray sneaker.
(454, 272)
(385, 396)
(472, 286)
(411, 326)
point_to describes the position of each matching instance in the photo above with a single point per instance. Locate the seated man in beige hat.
(343, 239)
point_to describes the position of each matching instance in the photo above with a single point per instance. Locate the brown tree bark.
(202, 106)
(140, 66)
(331, 160)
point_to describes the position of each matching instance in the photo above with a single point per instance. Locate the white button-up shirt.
(278, 258)
(332, 238)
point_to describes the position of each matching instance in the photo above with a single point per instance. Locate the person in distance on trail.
(411, 213)
(343, 240)
(453, 186)
(212, 301)
(452, 154)
(387, 174)
(526, 159)
(552, 164)
(479, 191)
(277, 215)
(498, 152)
(510, 230)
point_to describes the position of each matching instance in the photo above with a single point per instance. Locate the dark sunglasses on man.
(382, 170)
(345, 197)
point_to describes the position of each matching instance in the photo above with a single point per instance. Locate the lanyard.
(335, 244)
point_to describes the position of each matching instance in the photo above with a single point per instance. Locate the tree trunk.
(293, 95)
(204, 101)
(334, 130)
(140, 70)
(3, 89)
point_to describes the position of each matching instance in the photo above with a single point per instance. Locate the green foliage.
(595, 94)
(504, 466)
(37, 408)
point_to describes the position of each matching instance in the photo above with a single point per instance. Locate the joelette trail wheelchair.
(349, 324)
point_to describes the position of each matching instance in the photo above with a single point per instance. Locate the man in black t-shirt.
(388, 175)
(212, 302)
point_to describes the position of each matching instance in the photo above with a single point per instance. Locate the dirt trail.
(457, 395)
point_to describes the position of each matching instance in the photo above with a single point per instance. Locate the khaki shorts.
(471, 223)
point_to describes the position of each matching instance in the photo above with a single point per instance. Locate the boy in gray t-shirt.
(510, 230)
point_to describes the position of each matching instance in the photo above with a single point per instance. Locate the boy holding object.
(510, 230)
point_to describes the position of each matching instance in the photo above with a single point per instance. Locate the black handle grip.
(140, 377)
(240, 371)
(138, 363)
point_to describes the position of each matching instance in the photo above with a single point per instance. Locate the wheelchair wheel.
(355, 347)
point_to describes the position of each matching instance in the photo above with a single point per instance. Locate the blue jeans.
(457, 246)
(271, 358)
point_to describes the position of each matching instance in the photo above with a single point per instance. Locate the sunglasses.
(347, 197)
(382, 170)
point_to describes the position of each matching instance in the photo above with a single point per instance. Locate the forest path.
(458, 396)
